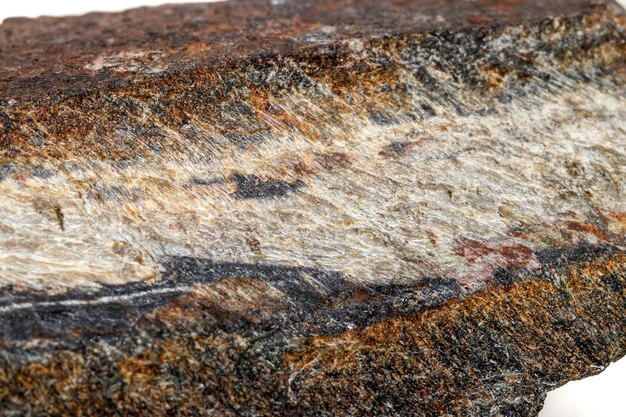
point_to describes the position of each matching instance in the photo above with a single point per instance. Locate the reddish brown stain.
(472, 250)
(515, 252)
(588, 228)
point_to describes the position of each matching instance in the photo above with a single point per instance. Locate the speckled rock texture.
(316, 208)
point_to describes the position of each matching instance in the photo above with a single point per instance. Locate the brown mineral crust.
(69, 84)
(493, 353)
(52, 53)
(532, 330)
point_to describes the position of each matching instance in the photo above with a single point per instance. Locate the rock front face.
(319, 207)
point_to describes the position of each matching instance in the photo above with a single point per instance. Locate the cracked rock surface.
(248, 208)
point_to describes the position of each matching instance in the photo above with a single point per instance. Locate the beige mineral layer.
(311, 207)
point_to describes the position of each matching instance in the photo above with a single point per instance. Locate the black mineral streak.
(251, 186)
(324, 299)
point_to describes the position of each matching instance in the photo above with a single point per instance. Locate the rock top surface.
(386, 207)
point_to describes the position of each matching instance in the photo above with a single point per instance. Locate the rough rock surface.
(322, 207)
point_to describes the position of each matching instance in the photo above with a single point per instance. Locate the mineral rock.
(318, 207)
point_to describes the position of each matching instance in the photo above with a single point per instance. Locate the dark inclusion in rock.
(251, 186)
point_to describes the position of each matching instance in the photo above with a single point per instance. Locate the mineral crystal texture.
(318, 207)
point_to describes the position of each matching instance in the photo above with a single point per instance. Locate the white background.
(34, 8)
(600, 396)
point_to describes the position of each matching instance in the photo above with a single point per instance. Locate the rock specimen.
(319, 207)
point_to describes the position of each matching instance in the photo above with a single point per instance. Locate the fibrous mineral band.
(311, 208)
